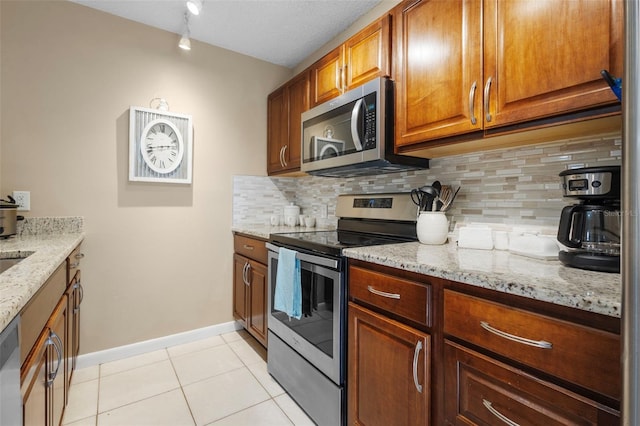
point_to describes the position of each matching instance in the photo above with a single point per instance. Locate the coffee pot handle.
(564, 228)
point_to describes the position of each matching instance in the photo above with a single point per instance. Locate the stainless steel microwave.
(352, 135)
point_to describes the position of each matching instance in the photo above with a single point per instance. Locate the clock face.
(161, 146)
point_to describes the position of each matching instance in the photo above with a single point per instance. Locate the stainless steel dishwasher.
(10, 398)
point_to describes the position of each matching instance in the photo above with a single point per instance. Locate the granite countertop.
(545, 280)
(20, 282)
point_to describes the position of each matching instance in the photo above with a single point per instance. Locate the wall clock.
(160, 146)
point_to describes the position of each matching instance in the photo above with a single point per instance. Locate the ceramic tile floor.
(221, 380)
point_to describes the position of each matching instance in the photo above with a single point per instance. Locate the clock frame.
(145, 126)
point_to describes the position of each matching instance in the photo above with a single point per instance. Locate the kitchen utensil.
(430, 194)
(434, 203)
(445, 193)
(446, 204)
(422, 195)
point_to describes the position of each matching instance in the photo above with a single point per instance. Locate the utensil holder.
(432, 228)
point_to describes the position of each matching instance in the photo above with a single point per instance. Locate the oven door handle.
(315, 260)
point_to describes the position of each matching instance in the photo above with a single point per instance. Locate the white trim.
(120, 352)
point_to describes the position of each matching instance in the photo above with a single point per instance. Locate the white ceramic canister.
(432, 228)
(291, 214)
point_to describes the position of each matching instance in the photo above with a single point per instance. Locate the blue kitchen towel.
(288, 294)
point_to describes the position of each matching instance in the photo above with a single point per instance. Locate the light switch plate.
(23, 199)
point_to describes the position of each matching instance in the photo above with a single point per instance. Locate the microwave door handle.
(354, 124)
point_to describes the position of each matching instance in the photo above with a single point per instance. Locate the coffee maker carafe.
(590, 230)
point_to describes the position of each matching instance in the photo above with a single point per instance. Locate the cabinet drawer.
(401, 297)
(481, 390)
(36, 313)
(251, 248)
(582, 355)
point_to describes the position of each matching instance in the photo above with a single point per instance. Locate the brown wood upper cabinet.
(468, 65)
(284, 109)
(363, 57)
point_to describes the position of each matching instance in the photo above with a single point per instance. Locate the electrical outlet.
(23, 199)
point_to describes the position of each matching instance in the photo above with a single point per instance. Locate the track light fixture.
(194, 6)
(185, 42)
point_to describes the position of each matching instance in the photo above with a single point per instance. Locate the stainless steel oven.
(307, 356)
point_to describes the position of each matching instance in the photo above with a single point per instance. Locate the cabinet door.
(389, 365)
(57, 369)
(43, 373)
(326, 77)
(544, 57)
(277, 129)
(438, 69)
(74, 301)
(298, 98)
(257, 317)
(35, 389)
(240, 265)
(367, 54)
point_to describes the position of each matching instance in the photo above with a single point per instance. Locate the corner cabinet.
(389, 360)
(49, 344)
(284, 110)
(250, 285)
(361, 58)
(498, 63)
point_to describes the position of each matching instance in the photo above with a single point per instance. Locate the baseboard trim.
(120, 352)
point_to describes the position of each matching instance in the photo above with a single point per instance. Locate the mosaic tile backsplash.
(512, 186)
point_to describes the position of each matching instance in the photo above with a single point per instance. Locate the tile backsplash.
(512, 186)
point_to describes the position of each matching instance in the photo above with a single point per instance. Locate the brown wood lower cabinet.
(389, 365)
(250, 286)
(480, 390)
(49, 342)
(486, 357)
(44, 373)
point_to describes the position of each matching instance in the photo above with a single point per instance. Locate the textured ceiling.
(282, 32)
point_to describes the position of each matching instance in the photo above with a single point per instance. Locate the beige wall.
(158, 256)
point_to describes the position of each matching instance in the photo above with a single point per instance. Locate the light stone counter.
(549, 281)
(20, 282)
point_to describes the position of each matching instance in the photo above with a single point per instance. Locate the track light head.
(194, 6)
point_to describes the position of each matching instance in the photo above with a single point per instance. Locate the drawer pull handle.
(535, 343)
(248, 247)
(416, 354)
(79, 256)
(472, 96)
(487, 88)
(498, 414)
(74, 265)
(383, 293)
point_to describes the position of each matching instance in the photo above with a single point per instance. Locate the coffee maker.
(590, 230)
